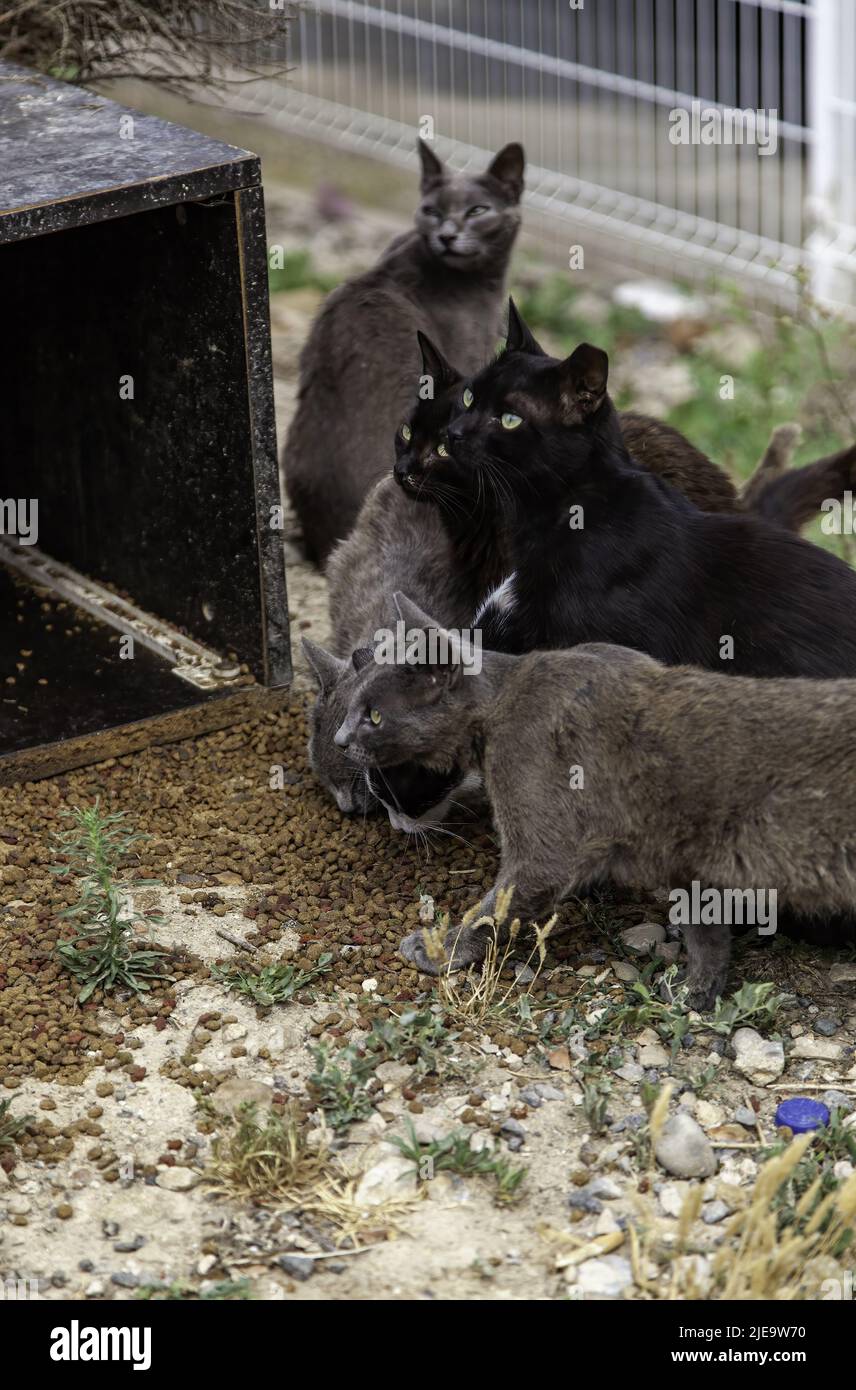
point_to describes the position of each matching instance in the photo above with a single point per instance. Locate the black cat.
(603, 551)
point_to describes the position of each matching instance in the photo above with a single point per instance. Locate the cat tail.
(792, 497)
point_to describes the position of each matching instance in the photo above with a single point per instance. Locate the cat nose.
(341, 738)
(448, 238)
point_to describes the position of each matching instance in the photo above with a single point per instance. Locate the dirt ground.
(110, 1189)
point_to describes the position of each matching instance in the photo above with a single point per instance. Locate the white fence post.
(829, 281)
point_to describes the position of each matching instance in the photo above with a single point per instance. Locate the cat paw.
(414, 952)
(463, 948)
(703, 993)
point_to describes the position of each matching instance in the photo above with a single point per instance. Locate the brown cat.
(360, 363)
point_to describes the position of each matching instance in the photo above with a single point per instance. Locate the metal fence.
(591, 87)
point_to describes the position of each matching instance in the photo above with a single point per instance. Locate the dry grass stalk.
(181, 45)
(473, 997)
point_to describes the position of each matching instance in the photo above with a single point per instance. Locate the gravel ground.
(106, 1193)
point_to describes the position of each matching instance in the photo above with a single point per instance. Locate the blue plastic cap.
(801, 1114)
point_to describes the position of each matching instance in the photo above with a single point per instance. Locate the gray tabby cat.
(687, 775)
(447, 278)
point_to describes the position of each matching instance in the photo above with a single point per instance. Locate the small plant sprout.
(103, 952)
(11, 1126)
(453, 1154)
(754, 1002)
(275, 984)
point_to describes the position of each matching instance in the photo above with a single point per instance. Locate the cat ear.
(362, 657)
(449, 671)
(328, 668)
(434, 364)
(584, 376)
(433, 169)
(520, 336)
(411, 613)
(508, 168)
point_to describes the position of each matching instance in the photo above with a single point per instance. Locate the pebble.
(127, 1247)
(548, 1092)
(744, 1115)
(605, 1277)
(844, 972)
(838, 1100)
(623, 970)
(94, 1289)
(512, 1128)
(125, 1280)
(827, 1025)
(817, 1050)
(671, 1197)
(642, 938)
(530, 1097)
(653, 1055)
(631, 1071)
(684, 1149)
(177, 1179)
(760, 1059)
(297, 1266)
(18, 1206)
(713, 1212)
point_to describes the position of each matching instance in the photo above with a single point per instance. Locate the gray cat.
(396, 541)
(602, 764)
(447, 278)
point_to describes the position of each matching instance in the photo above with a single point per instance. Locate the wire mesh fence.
(756, 178)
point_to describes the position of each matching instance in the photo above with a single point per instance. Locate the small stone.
(837, 1100)
(709, 1114)
(842, 973)
(605, 1277)
(230, 1095)
(548, 1092)
(104, 1088)
(206, 1264)
(94, 1289)
(605, 1188)
(64, 1211)
(760, 1059)
(18, 1205)
(631, 1071)
(744, 1115)
(643, 938)
(623, 970)
(297, 1266)
(512, 1128)
(827, 1025)
(530, 1097)
(671, 1197)
(653, 1055)
(816, 1050)
(713, 1212)
(684, 1149)
(128, 1247)
(125, 1280)
(177, 1179)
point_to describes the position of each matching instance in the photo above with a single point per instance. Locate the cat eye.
(432, 212)
(406, 433)
(468, 398)
(510, 422)
(478, 211)
(442, 451)
(375, 716)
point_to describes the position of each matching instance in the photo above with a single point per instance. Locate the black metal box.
(137, 428)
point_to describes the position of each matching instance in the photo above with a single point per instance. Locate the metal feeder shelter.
(142, 581)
